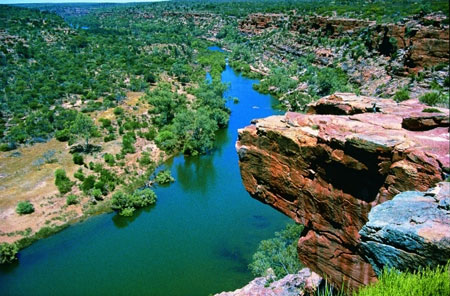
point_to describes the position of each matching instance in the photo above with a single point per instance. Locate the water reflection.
(122, 221)
(197, 173)
(222, 139)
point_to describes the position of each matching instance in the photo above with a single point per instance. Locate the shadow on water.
(6, 268)
(234, 255)
(122, 221)
(259, 221)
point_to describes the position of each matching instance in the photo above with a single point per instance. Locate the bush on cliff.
(401, 95)
(278, 253)
(432, 99)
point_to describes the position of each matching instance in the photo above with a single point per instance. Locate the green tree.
(278, 253)
(83, 127)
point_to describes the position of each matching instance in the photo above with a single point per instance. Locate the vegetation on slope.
(278, 253)
(425, 282)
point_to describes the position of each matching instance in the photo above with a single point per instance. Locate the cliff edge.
(329, 168)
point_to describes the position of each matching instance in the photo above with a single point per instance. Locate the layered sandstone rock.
(327, 172)
(305, 282)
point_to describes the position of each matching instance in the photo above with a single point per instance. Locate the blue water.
(198, 239)
(216, 48)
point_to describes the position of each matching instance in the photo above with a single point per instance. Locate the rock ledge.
(328, 171)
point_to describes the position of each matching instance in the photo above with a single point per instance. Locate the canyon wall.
(327, 169)
(424, 40)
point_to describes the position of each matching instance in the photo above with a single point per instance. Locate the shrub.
(118, 111)
(62, 181)
(143, 197)
(431, 98)
(8, 253)
(71, 199)
(100, 185)
(124, 202)
(77, 159)
(401, 95)
(128, 143)
(24, 207)
(109, 138)
(164, 177)
(145, 159)
(62, 135)
(79, 175)
(127, 212)
(166, 140)
(109, 159)
(7, 147)
(279, 253)
(97, 194)
(105, 122)
(88, 184)
(151, 134)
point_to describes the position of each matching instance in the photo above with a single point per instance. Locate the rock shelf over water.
(327, 169)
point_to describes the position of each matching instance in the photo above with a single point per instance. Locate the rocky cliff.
(422, 40)
(327, 169)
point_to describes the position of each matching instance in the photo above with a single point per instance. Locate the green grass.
(425, 282)
(431, 110)
(432, 282)
(44, 232)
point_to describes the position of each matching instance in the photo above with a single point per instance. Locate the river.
(197, 240)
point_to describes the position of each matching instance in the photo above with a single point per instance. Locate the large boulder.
(328, 171)
(412, 230)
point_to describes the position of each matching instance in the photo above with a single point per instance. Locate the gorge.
(134, 136)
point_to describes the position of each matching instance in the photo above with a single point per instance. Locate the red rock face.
(327, 171)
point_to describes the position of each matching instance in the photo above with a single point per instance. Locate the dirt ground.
(28, 174)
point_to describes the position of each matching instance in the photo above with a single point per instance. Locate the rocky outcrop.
(411, 230)
(423, 41)
(256, 23)
(305, 282)
(327, 172)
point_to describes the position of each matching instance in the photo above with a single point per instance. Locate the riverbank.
(28, 174)
(204, 227)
